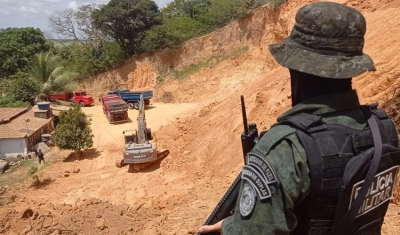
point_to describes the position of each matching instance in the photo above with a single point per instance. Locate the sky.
(35, 13)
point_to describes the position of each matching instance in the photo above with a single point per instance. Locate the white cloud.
(47, 12)
(36, 3)
(4, 12)
(96, 1)
(25, 13)
(55, 1)
(73, 5)
(27, 9)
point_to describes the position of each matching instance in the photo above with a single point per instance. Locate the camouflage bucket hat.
(327, 40)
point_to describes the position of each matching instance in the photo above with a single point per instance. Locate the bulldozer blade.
(160, 156)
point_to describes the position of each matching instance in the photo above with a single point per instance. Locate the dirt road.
(98, 177)
(157, 115)
(98, 174)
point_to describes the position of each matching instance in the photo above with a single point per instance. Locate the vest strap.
(342, 224)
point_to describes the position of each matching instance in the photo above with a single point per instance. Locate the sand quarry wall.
(197, 140)
(251, 32)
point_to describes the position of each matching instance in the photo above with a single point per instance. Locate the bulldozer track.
(140, 166)
(120, 163)
(160, 156)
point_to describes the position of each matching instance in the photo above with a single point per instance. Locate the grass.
(210, 62)
(160, 79)
(38, 181)
(29, 169)
(277, 3)
(20, 173)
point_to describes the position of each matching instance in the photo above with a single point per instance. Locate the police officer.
(40, 156)
(323, 53)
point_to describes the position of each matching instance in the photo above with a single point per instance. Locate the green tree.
(85, 48)
(172, 33)
(50, 76)
(23, 88)
(126, 21)
(17, 47)
(222, 12)
(175, 8)
(195, 8)
(73, 131)
(91, 58)
(10, 102)
(189, 8)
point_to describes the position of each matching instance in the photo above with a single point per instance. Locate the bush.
(10, 102)
(91, 58)
(172, 33)
(23, 88)
(38, 180)
(73, 132)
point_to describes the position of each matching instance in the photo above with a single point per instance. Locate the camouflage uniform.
(326, 41)
(288, 159)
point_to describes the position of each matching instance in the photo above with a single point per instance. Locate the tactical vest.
(341, 161)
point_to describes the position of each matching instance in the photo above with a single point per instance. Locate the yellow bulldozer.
(140, 150)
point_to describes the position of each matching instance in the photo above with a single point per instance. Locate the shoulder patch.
(247, 199)
(258, 162)
(258, 182)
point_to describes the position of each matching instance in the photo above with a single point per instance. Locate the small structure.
(42, 110)
(21, 129)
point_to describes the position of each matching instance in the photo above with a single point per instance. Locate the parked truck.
(79, 97)
(133, 97)
(115, 109)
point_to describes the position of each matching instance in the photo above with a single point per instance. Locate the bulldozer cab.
(130, 136)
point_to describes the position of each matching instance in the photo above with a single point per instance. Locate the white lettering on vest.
(380, 191)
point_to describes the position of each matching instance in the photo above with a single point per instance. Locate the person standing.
(40, 156)
(302, 177)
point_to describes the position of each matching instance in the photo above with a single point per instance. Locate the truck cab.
(79, 97)
(82, 98)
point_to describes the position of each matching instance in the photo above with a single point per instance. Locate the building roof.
(16, 127)
(7, 114)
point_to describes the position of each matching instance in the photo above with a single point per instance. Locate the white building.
(21, 129)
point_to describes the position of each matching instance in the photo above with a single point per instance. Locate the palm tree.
(51, 77)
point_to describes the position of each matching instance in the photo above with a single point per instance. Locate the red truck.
(115, 109)
(79, 97)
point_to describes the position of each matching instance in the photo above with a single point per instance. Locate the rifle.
(226, 206)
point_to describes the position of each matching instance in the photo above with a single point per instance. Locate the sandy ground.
(157, 115)
(103, 199)
(203, 136)
(99, 178)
